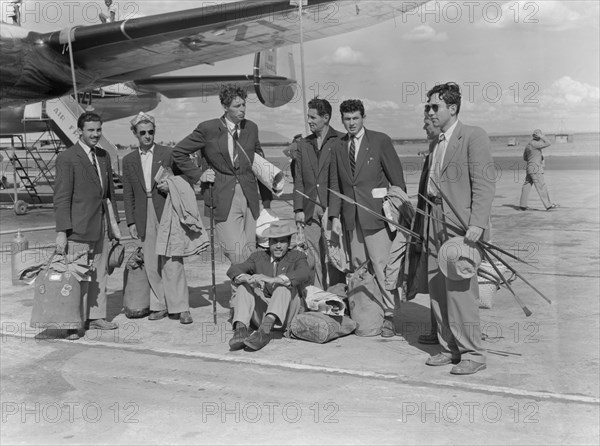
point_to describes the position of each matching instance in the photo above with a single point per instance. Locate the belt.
(148, 194)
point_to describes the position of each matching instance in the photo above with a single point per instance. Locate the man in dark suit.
(312, 179)
(415, 250)
(462, 165)
(84, 182)
(364, 164)
(268, 294)
(227, 146)
(144, 201)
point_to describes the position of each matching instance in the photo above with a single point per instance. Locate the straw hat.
(458, 260)
(280, 228)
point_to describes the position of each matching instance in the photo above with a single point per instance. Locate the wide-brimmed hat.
(280, 228)
(115, 257)
(458, 260)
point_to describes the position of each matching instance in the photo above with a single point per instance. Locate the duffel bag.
(317, 327)
(365, 308)
(136, 287)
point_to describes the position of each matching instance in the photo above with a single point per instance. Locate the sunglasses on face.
(434, 107)
(143, 132)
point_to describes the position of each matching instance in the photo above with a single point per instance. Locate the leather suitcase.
(57, 299)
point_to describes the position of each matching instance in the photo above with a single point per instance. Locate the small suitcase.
(57, 299)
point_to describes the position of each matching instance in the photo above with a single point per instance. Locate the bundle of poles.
(488, 249)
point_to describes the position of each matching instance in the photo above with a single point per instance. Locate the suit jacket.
(377, 166)
(294, 265)
(312, 172)
(534, 156)
(210, 138)
(79, 199)
(134, 186)
(468, 177)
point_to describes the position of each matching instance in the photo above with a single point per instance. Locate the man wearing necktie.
(312, 179)
(84, 180)
(227, 146)
(363, 166)
(462, 166)
(144, 201)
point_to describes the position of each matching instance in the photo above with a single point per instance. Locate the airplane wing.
(202, 86)
(36, 66)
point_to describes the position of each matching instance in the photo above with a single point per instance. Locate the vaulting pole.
(304, 103)
(212, 253)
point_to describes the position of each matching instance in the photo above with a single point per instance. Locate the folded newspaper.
(163, 173)
(324, 302)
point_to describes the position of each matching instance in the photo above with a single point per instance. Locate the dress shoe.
(387, 329)
(522, 208)
(553, 206)
(430, 339)
(257, 340)
(157, 315)
(467, 367)
(185, 317)
(239, 336)
(102, 324)
(441, 359)
(72, 335)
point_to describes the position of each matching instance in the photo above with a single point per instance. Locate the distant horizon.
(287, 140)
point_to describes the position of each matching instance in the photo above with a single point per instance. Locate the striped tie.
(352, 154)
(235, 137)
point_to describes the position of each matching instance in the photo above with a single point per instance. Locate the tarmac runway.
(165, 383)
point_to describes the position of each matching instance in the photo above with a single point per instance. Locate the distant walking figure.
(112, 13)
(535, 171)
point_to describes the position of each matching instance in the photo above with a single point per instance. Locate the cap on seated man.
(268, 291)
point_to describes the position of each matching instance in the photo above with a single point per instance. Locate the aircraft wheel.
(21, 207)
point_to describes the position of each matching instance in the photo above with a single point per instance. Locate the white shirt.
(112, 8)
(230, 143)
(357, 141)
(437, 159)
(88, 152)
(146, 158)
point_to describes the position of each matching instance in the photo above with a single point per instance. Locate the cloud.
(379, 106)
(345, 55)
(550, 14)
(425, 33)
(569, 93)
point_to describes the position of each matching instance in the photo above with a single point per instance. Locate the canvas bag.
(315, 326)
(57, 299)
(136, 287)
(365, 309)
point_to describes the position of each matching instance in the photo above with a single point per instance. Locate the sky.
(521, 65)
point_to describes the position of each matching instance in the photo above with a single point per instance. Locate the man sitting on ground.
(269, 284)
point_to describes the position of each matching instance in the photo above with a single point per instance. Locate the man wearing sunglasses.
(144, 201)
(461, 165)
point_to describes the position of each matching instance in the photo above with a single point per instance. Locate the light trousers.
(168, 284)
